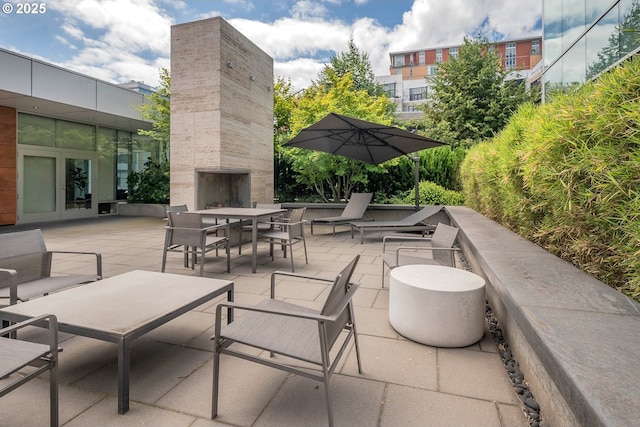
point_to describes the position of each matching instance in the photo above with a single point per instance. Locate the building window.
(390, 89)
(438, 55)
(432, 70)
(421, 58)
(535, 47)
(417, 93)
(398, 61)
(453, 52)
(510, 56)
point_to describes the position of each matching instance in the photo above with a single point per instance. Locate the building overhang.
(35, 87)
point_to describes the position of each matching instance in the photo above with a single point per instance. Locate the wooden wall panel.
(8, 166)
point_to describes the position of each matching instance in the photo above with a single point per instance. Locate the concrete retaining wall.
(576, 339)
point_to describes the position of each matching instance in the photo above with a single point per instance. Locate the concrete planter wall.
(142, 209)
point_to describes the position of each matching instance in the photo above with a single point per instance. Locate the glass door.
(55, 185)
(77, 188)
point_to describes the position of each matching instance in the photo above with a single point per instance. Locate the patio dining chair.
(15, 355)
(293, 331)
(353, 211)
(439, 245)
(288, 233)
(185, 231)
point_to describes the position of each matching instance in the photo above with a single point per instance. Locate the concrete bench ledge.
(576, 339)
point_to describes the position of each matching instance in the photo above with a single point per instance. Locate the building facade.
(582, 39)
(407, 82)
(68, 142)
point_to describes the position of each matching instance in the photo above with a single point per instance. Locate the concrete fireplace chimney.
(221, 147)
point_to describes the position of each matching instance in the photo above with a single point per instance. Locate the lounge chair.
(439, 246)
(287, 330)
(354, 211)
(414, 222)
(16, 355)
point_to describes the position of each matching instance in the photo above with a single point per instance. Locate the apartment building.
(407, 80)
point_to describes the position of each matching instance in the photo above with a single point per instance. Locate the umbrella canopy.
(359, 139)
(362, 140)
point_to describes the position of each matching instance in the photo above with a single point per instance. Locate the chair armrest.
(96, 254)
(295, 275)
(288, 313)
(13, 284)
(421, 248)
(225, 225)
(385, 238)
(53, 330)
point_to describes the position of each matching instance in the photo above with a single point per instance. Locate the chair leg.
(201, 262)
(304, 243)
(228, 257)
(355, 338)
(291, 249)
(216, 379)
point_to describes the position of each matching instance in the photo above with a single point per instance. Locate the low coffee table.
(122, 308)
(436, 305)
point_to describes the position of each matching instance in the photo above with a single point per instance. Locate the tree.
(357, 64)
(284, 99)
(471, 100)
(158, 111)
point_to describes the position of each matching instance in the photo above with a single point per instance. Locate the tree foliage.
(357, 64)
(158, 111)
(470, 99)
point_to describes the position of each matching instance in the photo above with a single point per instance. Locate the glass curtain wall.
(584, 38)
(117, 154)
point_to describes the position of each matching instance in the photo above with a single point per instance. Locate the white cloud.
(120, 40)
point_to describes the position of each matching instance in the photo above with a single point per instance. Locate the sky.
(123, 40)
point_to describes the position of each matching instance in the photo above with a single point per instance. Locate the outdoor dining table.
(122, 308)
(253, 214)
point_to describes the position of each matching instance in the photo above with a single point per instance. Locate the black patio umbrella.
(362, 140)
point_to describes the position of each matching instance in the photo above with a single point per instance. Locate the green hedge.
(566, 175)
(430, 193)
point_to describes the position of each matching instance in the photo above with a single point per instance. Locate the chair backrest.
(295, 228)
(25, 252)
(185, 228)
(444, 237)
(176, 208)
(332, 303)
(268, 206)
(358, 203)
(421, 215)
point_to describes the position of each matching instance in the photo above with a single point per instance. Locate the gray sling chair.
(287, 233)
(186, 230)
(298, 332)
(16, 355)
(439, 245)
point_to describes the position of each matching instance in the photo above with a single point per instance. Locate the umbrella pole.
(416, 176)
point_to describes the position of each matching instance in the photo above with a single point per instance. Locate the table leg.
(254, 241)
(123, 376)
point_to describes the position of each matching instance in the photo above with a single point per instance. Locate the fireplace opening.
(223, 189)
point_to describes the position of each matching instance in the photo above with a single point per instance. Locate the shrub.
(150, 185)
(430, 193)
(566, 175)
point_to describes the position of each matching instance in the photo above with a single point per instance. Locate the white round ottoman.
(438, 306)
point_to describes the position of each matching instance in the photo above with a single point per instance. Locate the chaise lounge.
(414, 222)
(354, 211)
